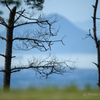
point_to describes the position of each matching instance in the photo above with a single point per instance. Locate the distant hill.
(74, 42)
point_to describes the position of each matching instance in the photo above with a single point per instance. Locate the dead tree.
(96, 39)
(40, 40)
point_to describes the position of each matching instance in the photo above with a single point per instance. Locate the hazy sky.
(78, 12)
(74, 10)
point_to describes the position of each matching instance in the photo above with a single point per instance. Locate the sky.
(73, 10)
(78, 12)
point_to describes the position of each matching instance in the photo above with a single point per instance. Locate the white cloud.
(82, 60)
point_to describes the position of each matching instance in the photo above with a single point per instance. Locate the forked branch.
(47, 66)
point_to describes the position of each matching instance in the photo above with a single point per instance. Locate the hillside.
(74, 42)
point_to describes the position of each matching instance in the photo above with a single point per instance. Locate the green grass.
(54, 93)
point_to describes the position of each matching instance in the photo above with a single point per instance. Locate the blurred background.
(74, 21)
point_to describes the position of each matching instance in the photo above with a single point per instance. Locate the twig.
(3, 22)
(3, 38)
(19, 15)
(26, 17)
(2, 70)
(7, 6)
(36, 22)
(98, 18)
(95, 64)
(2, 55)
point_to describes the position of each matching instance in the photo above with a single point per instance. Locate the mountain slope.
(74, 42)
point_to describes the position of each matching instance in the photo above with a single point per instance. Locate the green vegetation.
(54, 93)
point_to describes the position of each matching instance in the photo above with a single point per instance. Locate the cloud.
(82, 60)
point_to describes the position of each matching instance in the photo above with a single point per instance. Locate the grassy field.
(69, 93)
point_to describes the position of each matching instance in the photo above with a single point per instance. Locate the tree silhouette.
(40, 39)
(96, 39)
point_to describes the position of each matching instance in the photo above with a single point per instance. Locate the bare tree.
(40, 40)
(96, 39)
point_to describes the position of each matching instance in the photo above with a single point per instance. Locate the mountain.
(74, 42)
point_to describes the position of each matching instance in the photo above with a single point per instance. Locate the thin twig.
(26, 17)
(2, 70)
(2, 55)
(3, 38)
(36, 22)
(7, 6)
(19, 15)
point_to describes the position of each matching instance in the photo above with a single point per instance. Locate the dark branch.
(3, 38)
(7, 6)
(46, 66)
(16, 69)
(95, 64)
(3, 22)
(98, 18)
(6, 56)
(26, 16)
(2, 55)
(29, 43)
(28, 39)
(2, 70)
(36, 22)
(89, 35)
(20, 15)
(94, 23)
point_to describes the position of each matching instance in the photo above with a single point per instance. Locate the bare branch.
(2, 70)
(16, 69)
(3, 22)
(7, 6)
(90, 34)
(3, 38)
(26, 17)
(6, 56)
(28, 39)
(2, 55)
(94, 23)
(46, 66)
(20, 15)
(30, 43)
(13, 56)
(95, 64)
(35, 22)
(98, 18)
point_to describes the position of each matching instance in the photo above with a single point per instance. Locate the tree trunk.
(98, 53)
(8, 53)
